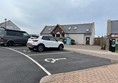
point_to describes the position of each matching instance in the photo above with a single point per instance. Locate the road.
(19, 65)
(15, 68)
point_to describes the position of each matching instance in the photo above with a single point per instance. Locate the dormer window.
(75, 27)
(87, 30)
(69, 28)
(49, 29)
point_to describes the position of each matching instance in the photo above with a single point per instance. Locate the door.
(50, 41)
(87, 40)
(53, 42)
(25, 37)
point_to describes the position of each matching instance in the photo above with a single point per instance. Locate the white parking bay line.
(18, 48)
(50, 53)
(39, 65)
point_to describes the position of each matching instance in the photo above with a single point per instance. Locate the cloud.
(81, 3)
(10, 11)
(33, 15)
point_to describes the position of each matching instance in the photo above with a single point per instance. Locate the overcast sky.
(33, 15)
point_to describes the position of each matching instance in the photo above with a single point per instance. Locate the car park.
(12, 37)
(52, 61)
(43, 42)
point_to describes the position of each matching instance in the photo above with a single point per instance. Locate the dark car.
(11, 37)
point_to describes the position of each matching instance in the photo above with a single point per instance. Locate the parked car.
(43, 42)
(11, 37)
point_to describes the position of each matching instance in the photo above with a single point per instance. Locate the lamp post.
(5, 22)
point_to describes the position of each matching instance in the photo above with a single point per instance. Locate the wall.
(108, 27)
(79, 38)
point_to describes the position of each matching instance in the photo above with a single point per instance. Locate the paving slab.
(104, 74)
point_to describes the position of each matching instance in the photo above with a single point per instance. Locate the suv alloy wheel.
(61, 47)
(40, 48)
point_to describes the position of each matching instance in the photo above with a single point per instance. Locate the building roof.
(114, 26)
(9, 25)
(72, 28)
(48, 29)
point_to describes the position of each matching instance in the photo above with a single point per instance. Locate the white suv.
(43, 42)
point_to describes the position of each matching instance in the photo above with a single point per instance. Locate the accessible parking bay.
(64, 61)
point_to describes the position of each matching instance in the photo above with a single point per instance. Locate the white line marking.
(39, 65)
(50, 53)
(18, 48)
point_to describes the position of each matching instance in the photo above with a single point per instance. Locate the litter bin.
(68, 41)
(112, 45)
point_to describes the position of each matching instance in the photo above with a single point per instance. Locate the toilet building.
(81, 33)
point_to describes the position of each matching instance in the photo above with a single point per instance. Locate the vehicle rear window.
(35, 36)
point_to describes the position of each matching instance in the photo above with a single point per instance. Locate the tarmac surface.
(17, 68)
(102, 74)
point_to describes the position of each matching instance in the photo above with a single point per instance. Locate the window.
(19, 34)
(52, 39)
(49, 29)
(14, 33)
(75, 27)
(11, 33)
(57, 35)
(34, 35)
(45, 38)
(25, 34)
(87, 30)
(69, 28)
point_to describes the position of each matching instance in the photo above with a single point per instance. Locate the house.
(112, 35)
(9, 25)
(81, 33)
